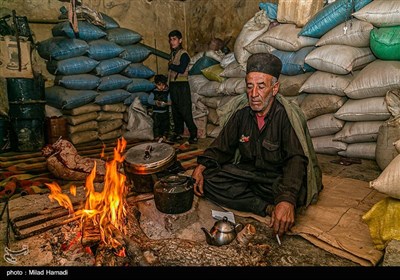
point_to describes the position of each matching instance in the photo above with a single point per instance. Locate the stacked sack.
(328, 61)
(216, 79)
(98, 66)
(342, 49)
(204, 85)
(381, 78)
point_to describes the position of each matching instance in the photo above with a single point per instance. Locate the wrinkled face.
(174, 42)
(261, 91)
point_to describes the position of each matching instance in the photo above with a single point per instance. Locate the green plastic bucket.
(27, 135)
(4, 135)
(22, 89)
(27, 109)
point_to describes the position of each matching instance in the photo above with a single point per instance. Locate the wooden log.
(143, 251)
(246, 235)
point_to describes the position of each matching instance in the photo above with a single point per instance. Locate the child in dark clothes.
(160, 100)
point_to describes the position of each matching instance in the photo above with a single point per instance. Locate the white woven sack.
(388, 181)
(290, 85)
(380, 13)
(253, 28)
(210, 89)
(216, 55)
(315, 105)
(196, 82)
(256, 46)
(232, 86)
(353, 33)
(324, 125)
(360, 150)
(357, 132)
(339, 59)
(233, 70)
(375, 80)
(284, 37)
(325, 145)
(227, 59)
(329, 83)
(368, 109)
(388, 133)
(211, 102)
(393, 102)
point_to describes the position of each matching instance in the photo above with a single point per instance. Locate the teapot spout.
(209, 238)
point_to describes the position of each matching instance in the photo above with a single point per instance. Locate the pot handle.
(147, 152)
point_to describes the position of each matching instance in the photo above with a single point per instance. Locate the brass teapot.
(223, 232)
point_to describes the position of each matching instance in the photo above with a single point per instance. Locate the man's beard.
(266, 103)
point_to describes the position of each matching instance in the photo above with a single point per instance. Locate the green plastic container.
(22, 89)
(27, 135)
(4, 135)
(27, 109)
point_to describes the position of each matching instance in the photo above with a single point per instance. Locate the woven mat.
(26, 173)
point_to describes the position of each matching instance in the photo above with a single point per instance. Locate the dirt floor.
(294, 251)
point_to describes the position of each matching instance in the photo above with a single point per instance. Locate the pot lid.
(148, 157)
(224, 225)
(174, 179)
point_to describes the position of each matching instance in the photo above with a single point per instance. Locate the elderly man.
(263, 160)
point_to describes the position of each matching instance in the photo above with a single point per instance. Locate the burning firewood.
(114, 231)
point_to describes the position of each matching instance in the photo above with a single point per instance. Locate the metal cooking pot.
(173, 194)
(144, 164)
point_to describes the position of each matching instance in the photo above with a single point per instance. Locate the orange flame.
(57, 195)
(106, 209)
(102, 154)
(72, 190)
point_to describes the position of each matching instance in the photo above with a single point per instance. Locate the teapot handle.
(239, 227)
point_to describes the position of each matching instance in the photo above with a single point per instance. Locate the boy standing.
(178, 67)
(160, 100)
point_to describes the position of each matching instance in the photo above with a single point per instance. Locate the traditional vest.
(175, 60)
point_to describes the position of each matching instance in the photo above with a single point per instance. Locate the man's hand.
(282, 218)
(199, 180)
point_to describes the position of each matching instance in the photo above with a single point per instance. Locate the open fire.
(117, 237)
(105, 210)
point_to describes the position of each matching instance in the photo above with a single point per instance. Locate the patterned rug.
(26, 173)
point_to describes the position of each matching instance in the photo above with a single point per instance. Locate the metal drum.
(146, 163)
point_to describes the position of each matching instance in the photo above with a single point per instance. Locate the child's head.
(175, 39)
(160, 81)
